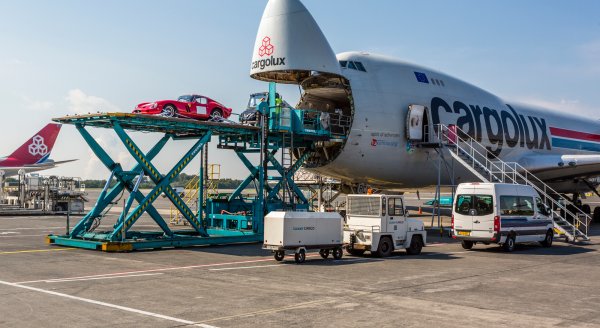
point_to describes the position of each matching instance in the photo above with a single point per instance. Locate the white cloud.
(81, 103)
(94, 168)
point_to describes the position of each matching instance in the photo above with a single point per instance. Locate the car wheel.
(169, 111)
(385, 247)
(216, 114)
(467, 244)
(547, 242)
(509, 244)
(324, 253)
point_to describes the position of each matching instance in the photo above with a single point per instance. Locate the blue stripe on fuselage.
(575, 144)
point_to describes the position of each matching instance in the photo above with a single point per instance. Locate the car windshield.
(256, 99)
(185, 98)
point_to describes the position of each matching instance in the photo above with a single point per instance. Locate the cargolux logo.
(266, 48)
(37, 146)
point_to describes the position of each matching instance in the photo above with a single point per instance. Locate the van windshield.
(476, 205)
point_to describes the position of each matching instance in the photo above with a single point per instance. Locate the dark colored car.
(250, 115)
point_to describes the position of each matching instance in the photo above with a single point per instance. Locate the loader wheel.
(416, 245)
(324, 253)
(300, 257)
(385, 247)
(169, 111)
(279, 255)
(338, 253)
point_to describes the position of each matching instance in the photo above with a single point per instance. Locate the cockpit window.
(353, 65)
(360, 66)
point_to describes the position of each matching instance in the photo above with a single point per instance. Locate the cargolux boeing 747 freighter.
(376, 92)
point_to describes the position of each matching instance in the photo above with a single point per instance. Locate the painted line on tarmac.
(96, 278)
(155, 270)
(109, 305)
(38, 250)
(246, 267)
(18, 235)
(43, 228)
(272, 310)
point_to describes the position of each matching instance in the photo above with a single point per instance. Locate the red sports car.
(189, 106)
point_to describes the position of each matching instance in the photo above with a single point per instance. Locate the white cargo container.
(300, 231)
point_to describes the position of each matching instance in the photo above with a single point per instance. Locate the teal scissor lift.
(234, 219)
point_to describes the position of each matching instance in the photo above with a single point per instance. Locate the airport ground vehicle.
(378, 223)
(500, 213)
(301, 231)
(196, 107)
(249, 116)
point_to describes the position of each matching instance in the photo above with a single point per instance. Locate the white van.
(500, 213)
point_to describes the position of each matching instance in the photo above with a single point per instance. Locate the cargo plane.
(375, 93)
(34, 154)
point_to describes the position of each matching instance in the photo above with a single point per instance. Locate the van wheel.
(279, 255)
(509, 244)
(324, 253)
(416, 245)
(547, 242)
(467, 244)
(385, 247)
(300, 257)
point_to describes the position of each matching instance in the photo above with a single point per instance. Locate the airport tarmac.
(243, 286)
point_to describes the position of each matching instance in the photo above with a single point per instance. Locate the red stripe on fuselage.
(558, 132)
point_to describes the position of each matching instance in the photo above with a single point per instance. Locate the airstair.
(190, 193)
(476, 158)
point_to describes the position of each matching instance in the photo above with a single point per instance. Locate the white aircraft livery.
(377, 96)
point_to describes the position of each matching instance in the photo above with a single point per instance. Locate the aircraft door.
(416, 123)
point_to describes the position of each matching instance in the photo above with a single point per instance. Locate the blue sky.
(61, 57)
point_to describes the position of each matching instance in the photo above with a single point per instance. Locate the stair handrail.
(443, 136)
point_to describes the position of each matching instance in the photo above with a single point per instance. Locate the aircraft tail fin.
(37, 149)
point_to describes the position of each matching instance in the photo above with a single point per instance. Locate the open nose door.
(417, 124)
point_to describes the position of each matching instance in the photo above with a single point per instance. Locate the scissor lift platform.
(243, 139)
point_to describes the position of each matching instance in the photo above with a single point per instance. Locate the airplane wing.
(550, 167)
(67, 161)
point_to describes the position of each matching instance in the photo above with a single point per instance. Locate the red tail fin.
(37, 148)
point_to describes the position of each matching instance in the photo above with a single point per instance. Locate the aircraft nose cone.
(289, 45)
